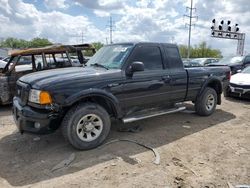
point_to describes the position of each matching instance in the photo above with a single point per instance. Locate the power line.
(191, 17)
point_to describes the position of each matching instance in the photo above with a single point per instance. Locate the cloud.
(107, 5)
(56, 4)
(141, 20)
(23, 20)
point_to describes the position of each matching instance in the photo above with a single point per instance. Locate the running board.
(152, 114)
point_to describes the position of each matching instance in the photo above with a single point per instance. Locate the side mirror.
(135, 67)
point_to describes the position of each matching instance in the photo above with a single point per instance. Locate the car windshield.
(111, 56)
(199, 61)
(246, 70)
(231, 60)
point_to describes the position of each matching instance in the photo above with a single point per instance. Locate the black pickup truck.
(126, 81)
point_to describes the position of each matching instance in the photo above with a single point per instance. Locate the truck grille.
(22, 92)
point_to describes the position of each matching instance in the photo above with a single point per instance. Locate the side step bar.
(153, 114)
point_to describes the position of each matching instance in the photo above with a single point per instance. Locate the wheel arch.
(216, 84)
(107, 100)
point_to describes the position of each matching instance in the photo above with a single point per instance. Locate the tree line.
(199, 51)
(15, 43)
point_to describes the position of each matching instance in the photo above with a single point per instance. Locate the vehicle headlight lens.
(39, 97)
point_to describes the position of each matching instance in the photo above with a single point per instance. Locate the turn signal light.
(45, 98)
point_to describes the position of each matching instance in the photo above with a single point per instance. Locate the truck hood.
(51, 78)
(240, 79)
(224, 64)
(2, 64)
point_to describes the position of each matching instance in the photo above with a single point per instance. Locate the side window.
(174, 59)
(247, 60)
(150, 56)
(39, 62)
(24, 60)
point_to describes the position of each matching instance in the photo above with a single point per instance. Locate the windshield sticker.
(120, 49)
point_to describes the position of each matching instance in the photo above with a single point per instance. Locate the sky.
(70, 22)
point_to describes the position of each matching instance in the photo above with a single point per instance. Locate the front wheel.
(206, 103)
(86, 126)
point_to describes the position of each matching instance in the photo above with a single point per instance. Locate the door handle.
(166, 78)
(114, 84)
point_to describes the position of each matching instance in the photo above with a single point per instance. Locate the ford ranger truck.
(125, 81)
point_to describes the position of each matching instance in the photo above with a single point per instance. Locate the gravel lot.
(195, 152)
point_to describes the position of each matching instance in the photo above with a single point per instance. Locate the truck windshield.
(231, 60)
(111, 56)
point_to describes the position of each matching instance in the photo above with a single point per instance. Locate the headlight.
(39, 97)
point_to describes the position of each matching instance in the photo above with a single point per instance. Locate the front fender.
(94, 93)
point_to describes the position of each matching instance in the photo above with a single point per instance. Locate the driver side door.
(148, 88)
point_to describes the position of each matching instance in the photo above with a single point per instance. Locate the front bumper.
(33, 120)
(239, 91)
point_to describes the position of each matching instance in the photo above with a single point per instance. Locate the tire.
(206, 103)
(86, 126)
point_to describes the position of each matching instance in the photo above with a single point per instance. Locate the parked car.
(191, 63)
(126, 81)
(239, 84)
(26, 61)
(235, 63)
(2, 64)
(6, 59)
(205, 61)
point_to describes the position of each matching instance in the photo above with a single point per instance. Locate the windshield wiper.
(99, 65)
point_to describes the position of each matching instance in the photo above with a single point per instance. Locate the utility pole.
(81, 36)
(191, 17)
(111, 29)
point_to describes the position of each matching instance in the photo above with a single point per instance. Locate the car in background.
(236, 63)
(239, 84)
(2, 64)
(6, 59)
(205, 61)
(190, 63)
(32, 60)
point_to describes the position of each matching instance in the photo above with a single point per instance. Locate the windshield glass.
(200, 61)
(111, 56)
(246, 70)
(231, 60)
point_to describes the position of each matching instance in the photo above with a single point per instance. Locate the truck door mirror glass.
(137, 66)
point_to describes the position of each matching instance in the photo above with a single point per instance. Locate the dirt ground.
(195, 152)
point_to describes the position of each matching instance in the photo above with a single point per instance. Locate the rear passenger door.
(150, 87)
(177, 73)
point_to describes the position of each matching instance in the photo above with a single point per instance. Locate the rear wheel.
(86, 126)
(206, 103)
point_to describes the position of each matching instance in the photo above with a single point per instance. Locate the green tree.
(199, 51)
(20, 43)
(97, 45)
(39, 42)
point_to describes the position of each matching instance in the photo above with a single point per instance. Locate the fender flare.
(95, 93)
(209, 81)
